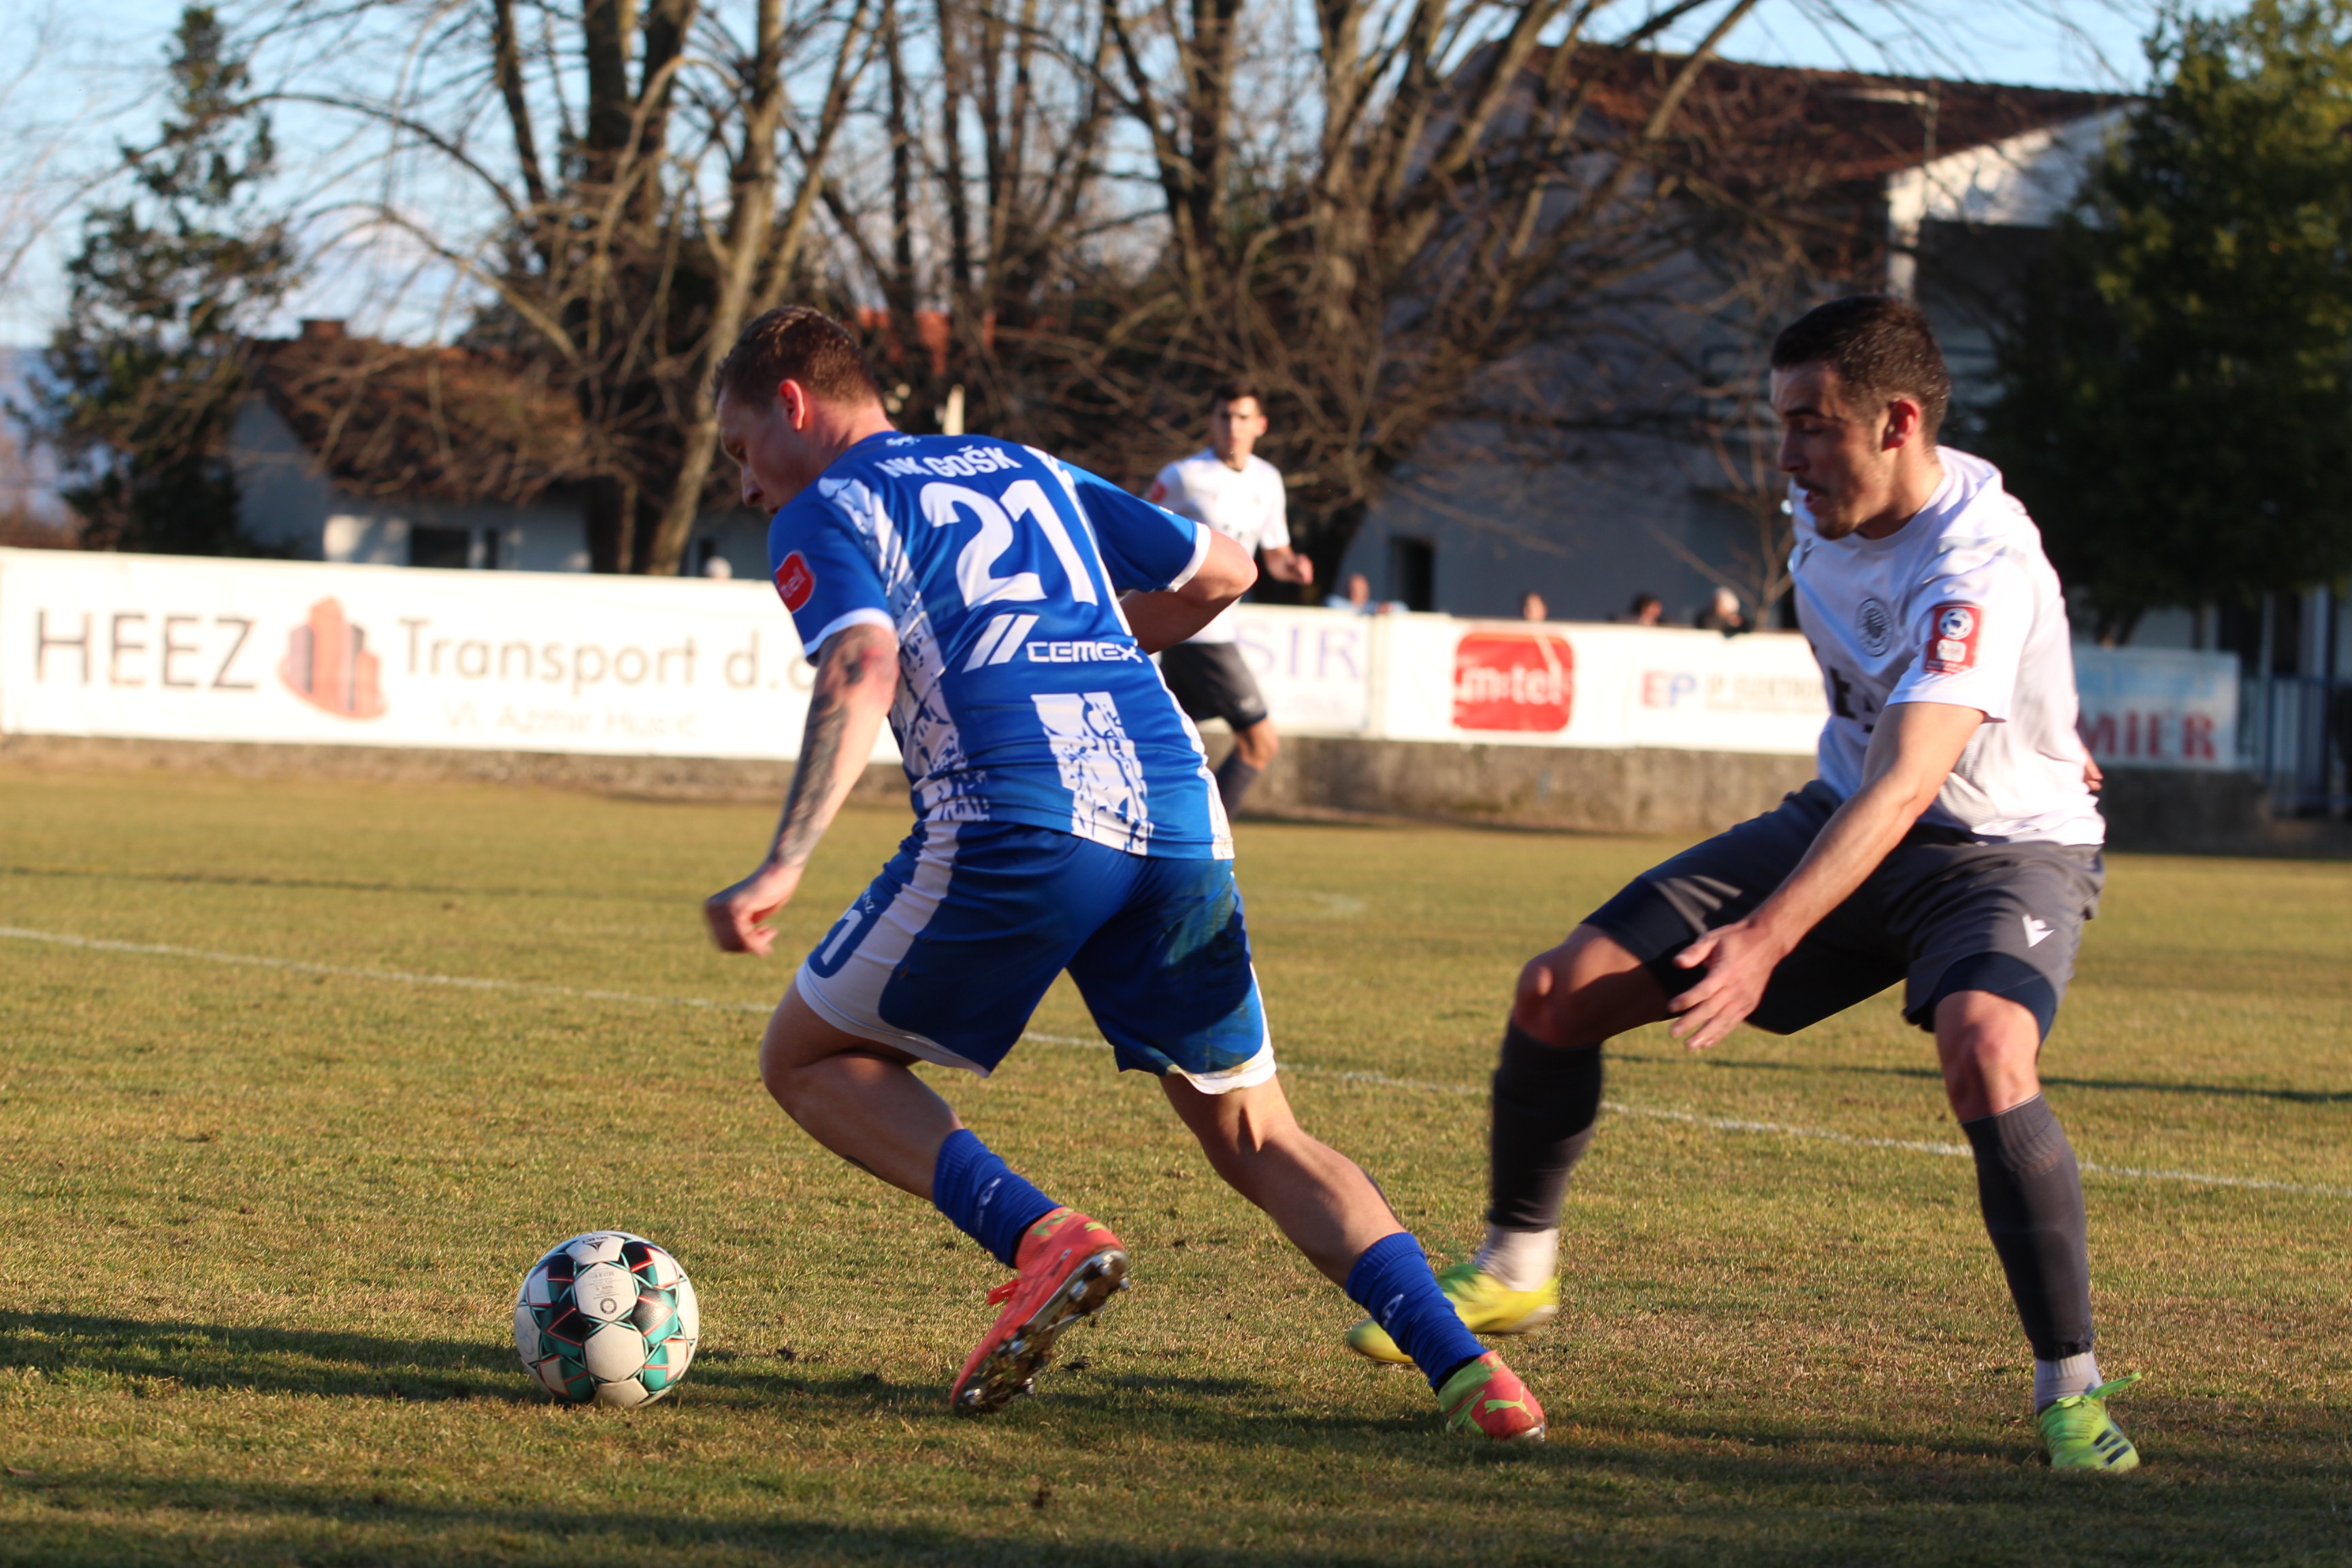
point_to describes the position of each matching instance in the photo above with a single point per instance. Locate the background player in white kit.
(1239, 494)
(1950, 842)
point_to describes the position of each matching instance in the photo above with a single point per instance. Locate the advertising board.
(174, 647)
(1314, 665)
(2159, 708)
(1513, 683)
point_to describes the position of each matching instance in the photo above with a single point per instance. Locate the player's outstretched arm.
(856, 677)
(1911, 753)
(1163, 619)
(1285, 564)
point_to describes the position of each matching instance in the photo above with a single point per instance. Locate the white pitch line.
(400, 976)
(1370, 1079)
(1777, 1129)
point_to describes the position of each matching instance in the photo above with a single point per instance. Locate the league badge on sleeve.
(795, 581)
(1952, 638)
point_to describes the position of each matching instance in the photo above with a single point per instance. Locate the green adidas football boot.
(2082, 1434)
(1487, 1305)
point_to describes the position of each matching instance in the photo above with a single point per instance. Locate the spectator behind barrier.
(1646, 610)
(1724, 616)
(1358, 598)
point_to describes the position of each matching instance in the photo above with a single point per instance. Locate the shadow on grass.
(321, 1363)
(1342, 1500)
(1251, 1479)
(141, 1355)
(328, 1363)
(2122, 1086)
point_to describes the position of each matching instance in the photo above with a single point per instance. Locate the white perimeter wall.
(173, 647)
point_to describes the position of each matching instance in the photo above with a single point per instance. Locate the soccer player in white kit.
(1239, 494)
(1950, 842)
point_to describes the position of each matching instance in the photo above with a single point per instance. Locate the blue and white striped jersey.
(1022, 695)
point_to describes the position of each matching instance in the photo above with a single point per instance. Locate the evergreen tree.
(2175, 393)
(144, 375)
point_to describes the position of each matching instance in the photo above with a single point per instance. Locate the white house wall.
(284, 499)
(2024, 181)
(1588, 535)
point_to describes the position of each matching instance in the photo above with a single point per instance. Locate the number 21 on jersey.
(976, 565)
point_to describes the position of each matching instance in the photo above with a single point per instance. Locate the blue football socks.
(1392, 1282)
(987, 1201)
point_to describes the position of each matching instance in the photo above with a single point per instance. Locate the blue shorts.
(950, 950)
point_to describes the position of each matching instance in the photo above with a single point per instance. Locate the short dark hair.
(1233, 390)
(798, 343)
(1643, 601)
(1882, 348)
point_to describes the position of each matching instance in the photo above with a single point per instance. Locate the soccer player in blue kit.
(1000, 607)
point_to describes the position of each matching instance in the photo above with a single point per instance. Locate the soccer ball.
(607, 1319)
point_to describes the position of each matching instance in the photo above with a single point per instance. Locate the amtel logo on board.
(329, 667)
(1513, 680)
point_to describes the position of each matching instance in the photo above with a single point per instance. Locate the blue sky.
(93, 88)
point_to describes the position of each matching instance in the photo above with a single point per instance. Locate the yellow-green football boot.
(2082, 1434)
(1488, 1306)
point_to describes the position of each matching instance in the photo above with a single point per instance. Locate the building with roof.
(1941, 191)
(358, 451)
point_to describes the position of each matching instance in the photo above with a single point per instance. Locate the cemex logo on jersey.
(795, 581)
(1513, 680)
(1952, 638)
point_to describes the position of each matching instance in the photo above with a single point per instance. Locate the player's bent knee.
(1989, 1047)
(1584, 991)
(796, 1040)
(1991, 990)
(1977, 1025)
(777, 1068)
(1538, 1003)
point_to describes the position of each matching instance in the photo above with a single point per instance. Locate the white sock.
(1521, 1259)
(2054, 1380)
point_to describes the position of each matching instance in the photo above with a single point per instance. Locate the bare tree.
(634, 163)
(1728, 416)
(1470, 193)
(981, 191)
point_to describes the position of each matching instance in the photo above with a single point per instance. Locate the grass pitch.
(266, 1224)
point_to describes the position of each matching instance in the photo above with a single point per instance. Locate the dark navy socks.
(2031, 1192)
(1546, 1101)
(1392, 1282)
(987, 1201)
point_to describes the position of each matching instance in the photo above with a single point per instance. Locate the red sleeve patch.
(1157, 493)
(795, 581)
(1952, 633)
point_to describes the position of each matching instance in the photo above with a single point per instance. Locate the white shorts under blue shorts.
(950, 950)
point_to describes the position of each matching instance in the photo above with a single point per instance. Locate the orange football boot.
(1069, 1268)
(1487, 1397)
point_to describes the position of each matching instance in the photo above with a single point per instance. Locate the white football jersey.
(1957, 605)
(1246, 506)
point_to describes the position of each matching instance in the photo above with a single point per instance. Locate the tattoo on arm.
(809, 806)
(804, 823)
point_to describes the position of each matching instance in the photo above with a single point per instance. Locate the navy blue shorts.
(950, 950)
(1942, 913)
